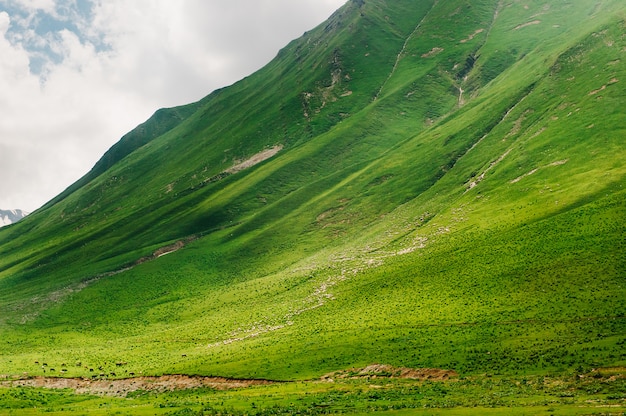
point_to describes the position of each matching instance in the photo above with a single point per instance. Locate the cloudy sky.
(76, 75)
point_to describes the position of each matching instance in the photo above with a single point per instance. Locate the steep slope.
(426, 184)
(160, 123)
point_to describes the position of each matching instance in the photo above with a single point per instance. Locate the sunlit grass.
(482, 234)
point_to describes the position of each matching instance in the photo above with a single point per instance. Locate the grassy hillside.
(432, 184)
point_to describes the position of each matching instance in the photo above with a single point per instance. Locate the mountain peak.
(11, 216)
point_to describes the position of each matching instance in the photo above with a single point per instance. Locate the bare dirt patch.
(534, 22)
(472, 36)
(602, 88)
(594, 92)
(388, 371)
(123, 387)
(532, 172)
(434, 51)
(480, 177)
(517, 125)
(162, 251)
(254, 160)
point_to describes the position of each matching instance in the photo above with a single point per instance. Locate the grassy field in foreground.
(488, 307)
(601, 392)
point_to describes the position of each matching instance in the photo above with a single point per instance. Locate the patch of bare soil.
(473, 35)
(611, 82)
(388, 371)
(534, 22)
(162, 251)
(254, 160)
(532, 172)
(480, 177)
(123, 387)
(432, 52)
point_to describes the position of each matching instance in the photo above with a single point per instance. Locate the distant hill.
(11, 216)
(419, 184)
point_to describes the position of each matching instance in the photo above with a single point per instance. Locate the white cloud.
(47, 6)
(106, 71)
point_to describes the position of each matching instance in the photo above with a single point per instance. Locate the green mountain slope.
(419, 183)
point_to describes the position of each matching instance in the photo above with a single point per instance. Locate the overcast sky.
(76, 75)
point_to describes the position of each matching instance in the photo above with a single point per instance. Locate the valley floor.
(375, 389)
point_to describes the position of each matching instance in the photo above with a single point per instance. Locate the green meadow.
(534, 395)
(447, 192)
